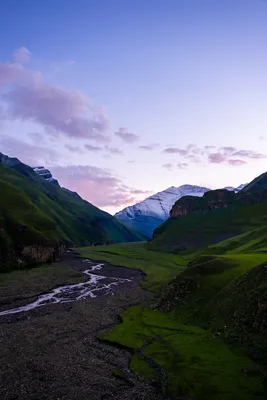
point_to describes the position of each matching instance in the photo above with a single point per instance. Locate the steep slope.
(46, 174)
(151, 212)
(218, 216)
(36, 212)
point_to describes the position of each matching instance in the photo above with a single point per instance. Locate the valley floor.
(53, 352)
(82, 350)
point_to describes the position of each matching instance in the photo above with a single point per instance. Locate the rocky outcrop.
(40, 254)
(46, 174)
(212, 200)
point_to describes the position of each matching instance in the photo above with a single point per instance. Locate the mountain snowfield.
(154, 210)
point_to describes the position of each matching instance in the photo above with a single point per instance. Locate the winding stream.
(96, 285)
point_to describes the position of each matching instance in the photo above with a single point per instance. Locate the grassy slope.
(197, 231)
(33, 211)
(196, 363)
(79, 221)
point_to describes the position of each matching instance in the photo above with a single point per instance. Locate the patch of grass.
(195, 363)
(159, 267)
(180, 344)
(219, 228)
(212, 274)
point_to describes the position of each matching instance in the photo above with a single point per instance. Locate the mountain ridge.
(147, 215)
(38, 217)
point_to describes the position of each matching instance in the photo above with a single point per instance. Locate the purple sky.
(121, 99)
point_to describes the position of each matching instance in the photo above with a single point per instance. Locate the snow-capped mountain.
(240, 187)
(147, 215)
(151, 212)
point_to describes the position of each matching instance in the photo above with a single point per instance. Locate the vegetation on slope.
(34, 212)
(197, 223)
(192, 342)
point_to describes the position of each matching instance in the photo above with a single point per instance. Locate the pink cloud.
(250, 154)
(138, 191)
(228, 150)
(29, 97)
(175, 150)
(96, 185)
(126, 136)
(22, 55)
(236, 162)
(217, 158)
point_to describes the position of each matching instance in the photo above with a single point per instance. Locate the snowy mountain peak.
(146, 215)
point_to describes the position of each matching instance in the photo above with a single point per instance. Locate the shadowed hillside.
(34, 212)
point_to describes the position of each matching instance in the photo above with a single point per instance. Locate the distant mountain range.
(148, 214)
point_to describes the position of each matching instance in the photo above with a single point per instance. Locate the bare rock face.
(212, 200)
(41, 254)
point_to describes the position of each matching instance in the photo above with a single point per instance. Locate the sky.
(124, 98)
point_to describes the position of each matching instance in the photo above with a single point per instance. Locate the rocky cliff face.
(212, 200)
(46, 174)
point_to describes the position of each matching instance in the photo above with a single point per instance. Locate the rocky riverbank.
(53, 352)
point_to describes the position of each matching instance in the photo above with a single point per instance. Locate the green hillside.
(204, 335)
(36, 212)
(241, 222)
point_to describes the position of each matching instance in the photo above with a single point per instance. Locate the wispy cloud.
(90, 147)
(167, 166)
(236, 162)
(214, 155)
(249, 154)
(28, 153)
(22, 55)
(126, 136)
(182, 165)
(217, 158)
(175, 150)
(114, 150)
(74, 149)
(96, 185)
(148, 147)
